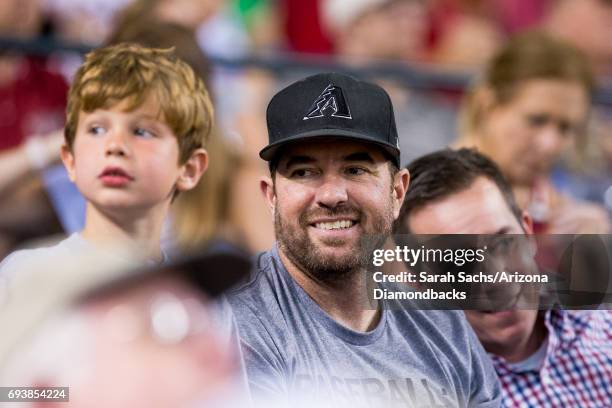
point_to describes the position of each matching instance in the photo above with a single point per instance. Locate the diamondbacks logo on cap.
(331, 102)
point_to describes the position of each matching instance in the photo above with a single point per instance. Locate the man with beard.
(309, 336)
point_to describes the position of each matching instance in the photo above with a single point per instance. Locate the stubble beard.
(334, 269)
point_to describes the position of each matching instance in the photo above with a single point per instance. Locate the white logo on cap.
(331, 102)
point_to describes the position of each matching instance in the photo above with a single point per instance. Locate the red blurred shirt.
(302, 26)
(34, 103)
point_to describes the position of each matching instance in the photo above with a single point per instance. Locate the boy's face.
(124, 160)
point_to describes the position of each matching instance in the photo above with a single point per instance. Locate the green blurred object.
(248, 9)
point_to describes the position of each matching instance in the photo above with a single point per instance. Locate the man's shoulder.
(583, 323)
(263, 297)
(261, 283)
(260, 306)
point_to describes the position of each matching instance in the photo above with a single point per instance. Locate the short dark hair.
(440, 174)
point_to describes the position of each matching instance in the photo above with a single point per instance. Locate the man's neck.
(345, 302)
(515, 353)
(142, 231)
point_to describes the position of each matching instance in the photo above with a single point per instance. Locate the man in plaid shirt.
(572, 367)
(553, 358)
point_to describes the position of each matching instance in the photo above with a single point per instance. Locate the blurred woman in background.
(531, 106)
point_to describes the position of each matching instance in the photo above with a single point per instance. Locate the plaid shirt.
(577, 368)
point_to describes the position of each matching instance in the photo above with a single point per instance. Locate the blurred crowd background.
(426, 53)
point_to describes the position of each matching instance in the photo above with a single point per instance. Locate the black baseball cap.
(331, 105)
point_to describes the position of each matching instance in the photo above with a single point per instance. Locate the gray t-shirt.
(297, 355)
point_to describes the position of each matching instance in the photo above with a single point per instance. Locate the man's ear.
(192, 170)
(527, 223)
(266, 185)
(401, 181)
(68, 160)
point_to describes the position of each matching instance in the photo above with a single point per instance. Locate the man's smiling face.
(327, 196)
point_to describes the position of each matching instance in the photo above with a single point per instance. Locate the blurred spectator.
(26, 214)
(87, 22)
(18, 164)
(529, 107)
(376, 29)
(28, 191)
(587, 172)
(219, 32)
(183, 12)
(120, 335)
(202, 215)
(32, 103)
(395, 30)
(466, 33)
(587, 24)
(261, 19)
(521, 15)
(32, 98)
(151, 32)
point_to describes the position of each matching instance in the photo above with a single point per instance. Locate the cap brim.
(270, 151)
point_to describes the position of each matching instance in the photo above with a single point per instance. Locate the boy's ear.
(192, 170)
(68, 160)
